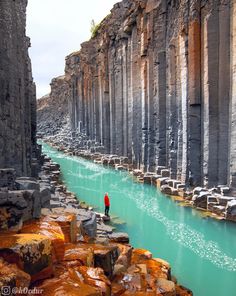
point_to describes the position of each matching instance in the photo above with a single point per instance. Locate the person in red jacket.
(107, 204)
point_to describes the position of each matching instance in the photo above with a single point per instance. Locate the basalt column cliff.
(17, 90)
(157, 84)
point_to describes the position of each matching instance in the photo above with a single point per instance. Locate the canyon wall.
(52, 109)
(157, 84)
(17, 90)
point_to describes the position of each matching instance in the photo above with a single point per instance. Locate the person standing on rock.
(107, 204)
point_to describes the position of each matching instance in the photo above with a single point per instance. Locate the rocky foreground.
(50, 245)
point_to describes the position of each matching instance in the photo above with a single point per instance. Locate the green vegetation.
(94, 28)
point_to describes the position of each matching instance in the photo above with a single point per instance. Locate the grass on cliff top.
(94, 28)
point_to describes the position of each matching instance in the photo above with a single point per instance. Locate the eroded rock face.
(52, 109)
(17, 90)
(155, 85)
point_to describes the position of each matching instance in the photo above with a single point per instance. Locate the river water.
(201, 251)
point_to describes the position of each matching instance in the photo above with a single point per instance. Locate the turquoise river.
(201, 251)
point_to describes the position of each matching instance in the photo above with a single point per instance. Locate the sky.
(57, 28)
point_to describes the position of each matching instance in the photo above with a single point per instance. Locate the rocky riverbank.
(218, 202)
(50, 244)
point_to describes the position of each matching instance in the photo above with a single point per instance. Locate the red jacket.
(106, 201)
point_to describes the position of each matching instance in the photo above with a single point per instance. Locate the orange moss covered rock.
(30, 252)
(11, 276)
(68, 224)
(95, 277)
(52, 231)
(82, 254)
(105, 257)
(156, 267)
(125, 255)
(182, 291)
(83, 281)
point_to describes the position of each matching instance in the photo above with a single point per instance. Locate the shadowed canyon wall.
(17, 90)
(51, 121)
(157, 84)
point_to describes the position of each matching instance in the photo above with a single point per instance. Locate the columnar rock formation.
(52, 109)
(157, 84)
(17, 90)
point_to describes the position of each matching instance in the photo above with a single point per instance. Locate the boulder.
(230, 213)
(95, 277)
(212, 201)
(165, 288)
(27, 184)
(18, 206)
(13, 198)
(154, 178)
(54, 166)
(224, 190)
(125, 256)
(55, 204)
(105, 257)
(105, 228)
(134, 282)
(7, 178)
(90, 226)
(32, 196)
(140, 254)
(180, 186)
(173, 183)
(45, 197)
(52, 231)
(197, 190)
(200, 201)
(68, 224)
(147, 178)
(124, 160)
(161, 181)
(119, 237)
(137, 172)
(219, 210)
(223, 200)
(188, 195)
(78, 255)
(31, 252)
(166, 189)
(159, 169)
(155, 267)
(119, 269)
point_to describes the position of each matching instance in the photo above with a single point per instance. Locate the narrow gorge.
(157, 84)
(145, 111)
(50, 242)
